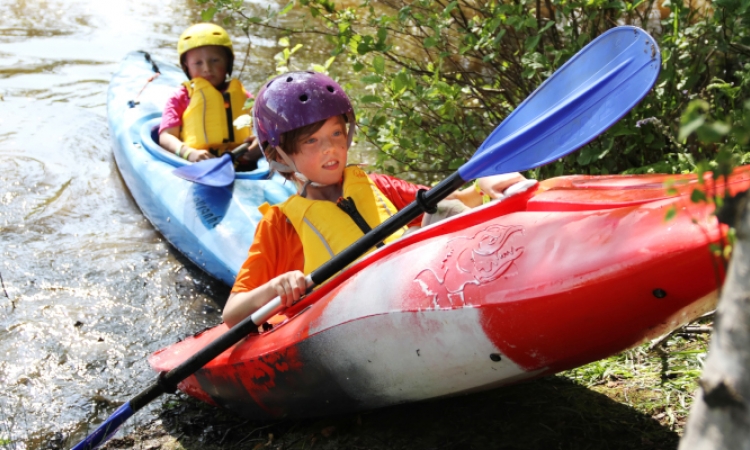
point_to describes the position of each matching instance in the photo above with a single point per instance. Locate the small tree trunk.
(720, 416)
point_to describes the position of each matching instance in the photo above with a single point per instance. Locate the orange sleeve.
(276, 249)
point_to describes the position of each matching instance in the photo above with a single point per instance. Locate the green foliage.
(431, 78)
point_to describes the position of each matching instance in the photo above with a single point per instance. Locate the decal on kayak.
(203, 209)
(261, 377)
(210, 204)
(488, 255)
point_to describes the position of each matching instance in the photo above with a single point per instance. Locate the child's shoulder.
(273, 216)
(274, 225)
(179, 92)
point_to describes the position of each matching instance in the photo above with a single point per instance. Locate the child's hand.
(290, 287)
(199, 155)
(253, 152)
(495, 185)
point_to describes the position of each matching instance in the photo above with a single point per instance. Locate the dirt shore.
(551, 413)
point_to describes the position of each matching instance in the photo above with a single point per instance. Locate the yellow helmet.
(201, 35)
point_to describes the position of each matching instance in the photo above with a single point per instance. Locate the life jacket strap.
(228, 109)
(347, 205)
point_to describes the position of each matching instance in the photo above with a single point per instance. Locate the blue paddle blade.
(217, 172)
(107, 429)
(581, 100)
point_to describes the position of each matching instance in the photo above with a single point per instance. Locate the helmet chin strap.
(290, 167)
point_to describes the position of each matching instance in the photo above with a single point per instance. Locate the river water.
(89, 288)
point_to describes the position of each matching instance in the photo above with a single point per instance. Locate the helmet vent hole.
(303, 98)
(330, 88)
(289, 79)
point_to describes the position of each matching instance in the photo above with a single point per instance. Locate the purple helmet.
(296, 99)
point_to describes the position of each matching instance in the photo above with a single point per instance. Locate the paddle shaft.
(240, 150)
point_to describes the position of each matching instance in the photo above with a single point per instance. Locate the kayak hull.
(212, 226)
(535, 284)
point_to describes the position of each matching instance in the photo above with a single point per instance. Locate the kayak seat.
(149, 137)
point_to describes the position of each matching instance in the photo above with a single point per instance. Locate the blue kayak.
(212, 226)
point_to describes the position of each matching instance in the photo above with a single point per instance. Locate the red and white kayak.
(570, 271)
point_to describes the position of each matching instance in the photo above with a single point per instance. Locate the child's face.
(209, 63)
(321, 156)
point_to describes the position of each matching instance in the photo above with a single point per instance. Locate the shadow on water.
(551, 413)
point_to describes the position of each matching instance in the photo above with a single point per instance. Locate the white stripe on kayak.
(408, 356)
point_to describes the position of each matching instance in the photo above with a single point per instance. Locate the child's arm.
(169, 139)
(290, 287)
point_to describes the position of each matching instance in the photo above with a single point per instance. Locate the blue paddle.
(217, 172)
(583, 98)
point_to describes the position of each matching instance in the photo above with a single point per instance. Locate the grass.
(656, 380)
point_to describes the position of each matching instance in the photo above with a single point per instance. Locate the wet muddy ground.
(551, 413)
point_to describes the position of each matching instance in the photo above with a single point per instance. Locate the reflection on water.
(89, 288)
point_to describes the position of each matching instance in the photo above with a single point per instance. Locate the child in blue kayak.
(198, 120)
(305, 124)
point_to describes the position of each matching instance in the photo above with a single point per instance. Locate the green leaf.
(586, 155)
(287, 8)
(688, 129)
(671, 213)
(698, 196)
(363, 48)
(378, 63)
(382, 34)
(370, 99)
(532, 42)
(547, 26)
(208, 14)
(713, 132)
(371, 79)
(399, 83)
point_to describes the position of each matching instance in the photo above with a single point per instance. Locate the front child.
(198, 120)
(305, 123)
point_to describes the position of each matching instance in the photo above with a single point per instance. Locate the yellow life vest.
(325, 230)
(208, 121)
